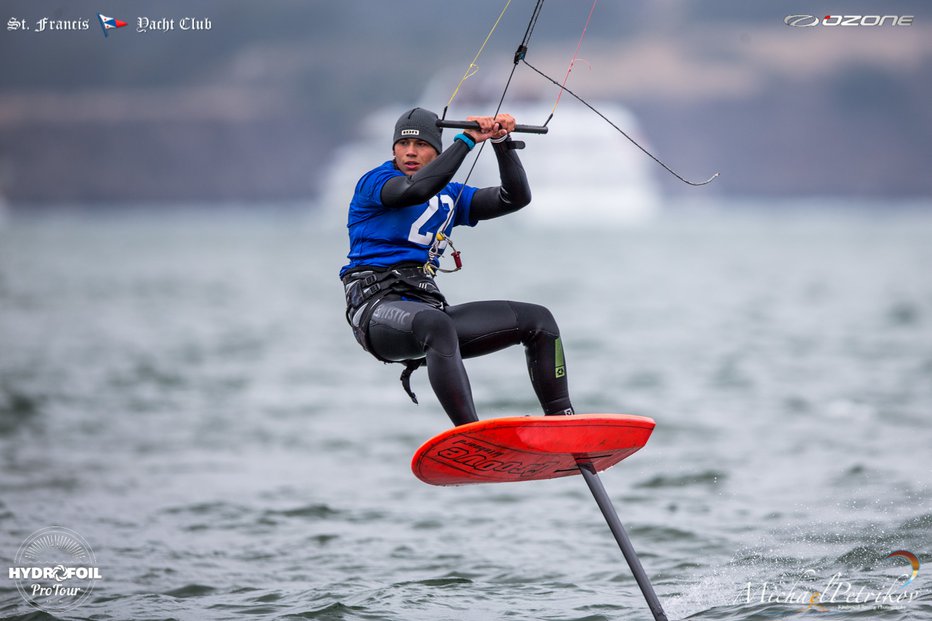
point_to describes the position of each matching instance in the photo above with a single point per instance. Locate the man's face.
(412, 154)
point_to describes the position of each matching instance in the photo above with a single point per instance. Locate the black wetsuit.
(399, 315)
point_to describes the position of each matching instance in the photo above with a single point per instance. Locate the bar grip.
(519, 129)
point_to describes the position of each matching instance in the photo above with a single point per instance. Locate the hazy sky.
(244, 101)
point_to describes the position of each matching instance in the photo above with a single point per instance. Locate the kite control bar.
(520, 129)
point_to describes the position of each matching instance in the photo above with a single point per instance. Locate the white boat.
(582, 172)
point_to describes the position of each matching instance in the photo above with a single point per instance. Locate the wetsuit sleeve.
(514, 192)
(403, 191)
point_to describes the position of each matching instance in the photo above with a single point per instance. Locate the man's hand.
(491, 127)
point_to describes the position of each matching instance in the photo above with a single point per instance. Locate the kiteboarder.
(400, 219)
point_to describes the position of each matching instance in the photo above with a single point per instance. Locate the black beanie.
(420, 124)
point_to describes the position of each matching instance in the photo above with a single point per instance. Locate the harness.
(366, 288)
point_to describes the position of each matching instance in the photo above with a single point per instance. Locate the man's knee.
(535, 319)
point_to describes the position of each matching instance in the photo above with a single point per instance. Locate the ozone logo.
(807, 21)
(802, 21)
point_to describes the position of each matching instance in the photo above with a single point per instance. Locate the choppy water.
(180, 389)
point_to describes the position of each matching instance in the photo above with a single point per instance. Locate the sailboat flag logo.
(109, 23)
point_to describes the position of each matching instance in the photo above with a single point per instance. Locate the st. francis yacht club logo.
(55, 570)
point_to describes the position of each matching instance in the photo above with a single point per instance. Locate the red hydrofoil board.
(529, 448)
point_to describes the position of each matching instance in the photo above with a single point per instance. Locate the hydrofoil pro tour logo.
(807, 21)
(55, 569)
